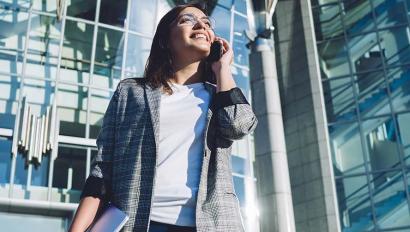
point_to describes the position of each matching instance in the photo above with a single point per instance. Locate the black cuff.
(229, 97)
(95, 187)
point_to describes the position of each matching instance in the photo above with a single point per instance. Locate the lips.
(194, 35)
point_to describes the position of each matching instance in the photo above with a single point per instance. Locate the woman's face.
(187, 40)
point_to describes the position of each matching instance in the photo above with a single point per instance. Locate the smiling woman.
(180, 25)
(166, 139)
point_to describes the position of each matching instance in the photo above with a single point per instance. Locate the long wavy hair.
(158, 68)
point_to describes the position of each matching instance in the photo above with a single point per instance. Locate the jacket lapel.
(154, 100)
(211, 89)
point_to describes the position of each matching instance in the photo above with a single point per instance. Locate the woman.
(165, 143)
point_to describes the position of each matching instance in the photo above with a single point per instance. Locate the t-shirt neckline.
(188, 86)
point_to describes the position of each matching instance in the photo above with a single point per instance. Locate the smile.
(200, 36)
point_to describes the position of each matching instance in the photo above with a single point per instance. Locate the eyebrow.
(203, 17)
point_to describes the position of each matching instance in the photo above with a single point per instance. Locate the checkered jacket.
(123, 171)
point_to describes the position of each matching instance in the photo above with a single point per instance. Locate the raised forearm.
(224, 79)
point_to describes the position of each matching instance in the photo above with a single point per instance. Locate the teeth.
(196, 36)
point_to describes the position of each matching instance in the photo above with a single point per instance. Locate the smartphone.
(216, 52)
(214, 55)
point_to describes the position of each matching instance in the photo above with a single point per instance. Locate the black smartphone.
(214, 55)
(216, 52)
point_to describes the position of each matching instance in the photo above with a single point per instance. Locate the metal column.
(271, 169)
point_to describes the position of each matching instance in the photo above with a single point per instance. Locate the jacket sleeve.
(98, 183)
(235, 117)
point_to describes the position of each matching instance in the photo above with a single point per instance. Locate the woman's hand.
(227, 56)
(222, 68)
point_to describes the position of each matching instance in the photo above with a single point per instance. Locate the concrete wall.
(310, 166)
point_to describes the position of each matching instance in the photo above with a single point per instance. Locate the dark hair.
(158, 68)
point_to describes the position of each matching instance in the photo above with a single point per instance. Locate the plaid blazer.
(123, 171)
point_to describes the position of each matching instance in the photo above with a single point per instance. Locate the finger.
(225, 44)
(221, 42)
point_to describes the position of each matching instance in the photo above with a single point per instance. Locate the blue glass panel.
(43, 47)
(346, 148)
(339, 99)
(242, 80)
(82, 9)
(138, 49)
(395, 43)
(14, 26)
(240, 5)
(366, 58)
(39, 174)
(76, 52)
(328, 23)
(390, 203)
(357, 16)
(239, 184)
(74, 158)
(45, 5)
(239, 165)
(354, 203)
(399, 85)
(390, 13)
(225, 3)
(404, 131)
(18, 4)
(108, 58)
(334, 57)
(9, 95)
(223, 22)
(372, 94)
(142, 16)
(322, 2)
(239, 41)
(5, 160)
(383, 143)
(98, 106)
(72, 109)
(113, 12)
(20, 176)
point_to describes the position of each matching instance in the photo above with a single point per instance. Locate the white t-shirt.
(180, 152)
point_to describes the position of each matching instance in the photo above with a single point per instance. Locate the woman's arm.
(222, 68)
(97, 188)
(85, 214)
(234, 115)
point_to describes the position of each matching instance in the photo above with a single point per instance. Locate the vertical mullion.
(124, 51)
(90, 79)
(54, 117)
(17, 119)
(88, 162)
(232, 21)
(92, 62)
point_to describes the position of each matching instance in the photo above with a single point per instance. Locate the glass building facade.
(60, 62)
(364, 55)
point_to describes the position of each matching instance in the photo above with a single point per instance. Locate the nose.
(199, 24)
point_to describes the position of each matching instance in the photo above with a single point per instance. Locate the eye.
(187, 18)
(183, 20)
(207, 22)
